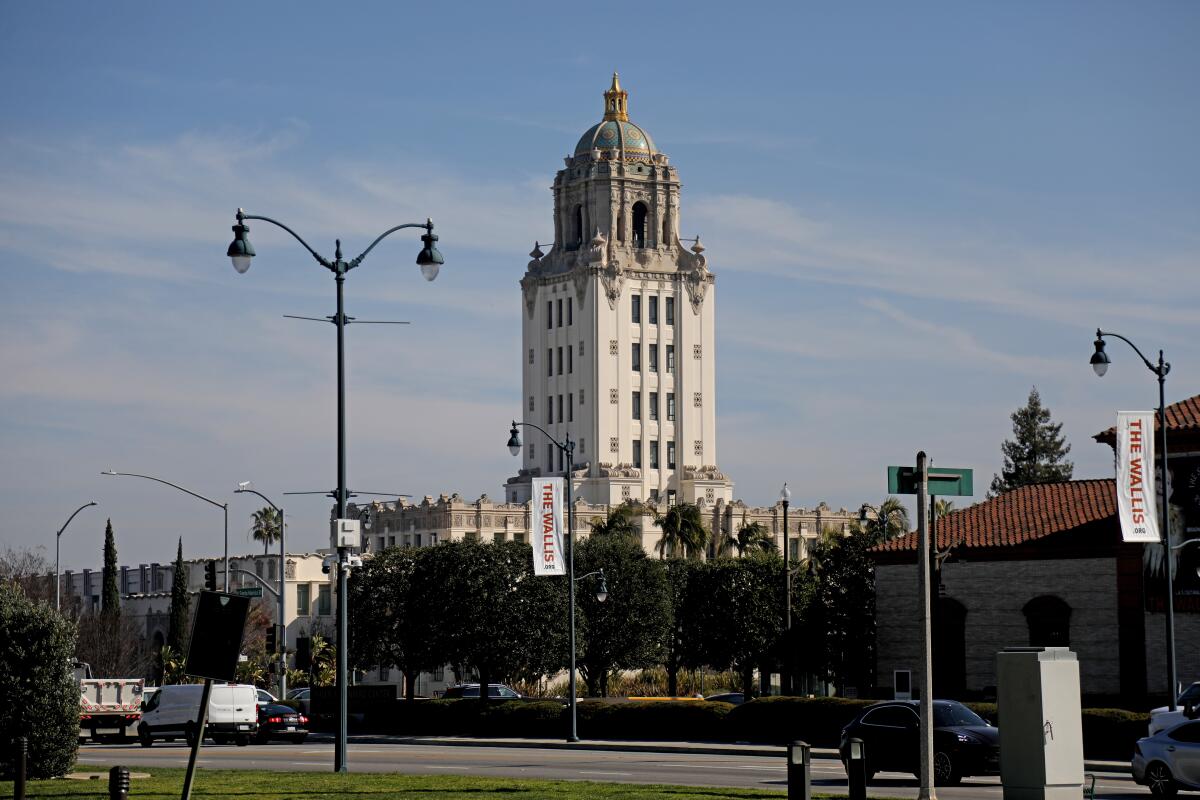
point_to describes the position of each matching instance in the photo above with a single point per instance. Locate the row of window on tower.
(651, 357)
(550, 406)
(551, 360)
(652, 407)
(652, 309)
(554, 313)
(653, 460)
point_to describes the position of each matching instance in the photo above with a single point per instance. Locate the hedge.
(778, 720)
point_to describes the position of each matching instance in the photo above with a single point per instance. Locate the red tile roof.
(1181, 416)
(1022, 515)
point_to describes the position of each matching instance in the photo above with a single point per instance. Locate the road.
(689, 769)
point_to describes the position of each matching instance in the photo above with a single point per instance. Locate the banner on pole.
(548, 558)
(1136, 495)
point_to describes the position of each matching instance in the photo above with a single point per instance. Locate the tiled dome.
(616, 135)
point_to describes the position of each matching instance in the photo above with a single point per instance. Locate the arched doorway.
(639, 224)
(949, 648)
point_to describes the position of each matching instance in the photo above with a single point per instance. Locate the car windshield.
(947, 715)
(1190, 695)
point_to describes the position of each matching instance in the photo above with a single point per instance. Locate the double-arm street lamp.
(1100, 364)
(429, 260)
(567, 448)
(57, 539)
(281, 643)
(223, 506)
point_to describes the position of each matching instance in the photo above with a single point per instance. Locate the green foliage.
(39, 698)
(629, 630)
(752, 539)
(891, 520)
(836, 602)
(1037, 452)
(683, 532)
(110, 598)
(324, 661)
(689, 720)
(1112, 732)
(265, 526)
(172, 662)
(776, 720)
(179, 612)
(622, 520)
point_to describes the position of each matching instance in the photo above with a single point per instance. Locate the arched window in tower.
(666, 231)
(639, 224)
(577, 230)
(1049, 620)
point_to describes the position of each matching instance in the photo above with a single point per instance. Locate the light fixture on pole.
(57, 539)
(223, 506)
(567, 448)
(241, 252)
(244, 488)
(785, 497)
(1100, 365)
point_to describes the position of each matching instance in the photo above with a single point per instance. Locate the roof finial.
(616, 101)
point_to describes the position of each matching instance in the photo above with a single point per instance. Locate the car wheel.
(1160, 780)
(945, 773)
(300, 739)
(242, 741)
(189, 734)
(144, 737)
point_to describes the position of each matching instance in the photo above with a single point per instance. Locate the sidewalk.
(627, 746)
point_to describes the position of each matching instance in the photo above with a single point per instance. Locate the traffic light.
(303, 653)
(210, 576)
(272, 633)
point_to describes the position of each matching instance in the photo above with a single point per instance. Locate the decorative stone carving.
(608, 470)
(696, 276)
(289, 569)
(529, 292)
(704, 473)
(581, 284)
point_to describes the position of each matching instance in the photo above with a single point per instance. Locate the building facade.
(618, 332)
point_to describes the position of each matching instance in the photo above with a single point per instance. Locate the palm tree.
(621, 521)
(682, 530)
(752, 538)
(891, 519)
(942, 507)
(265, 527)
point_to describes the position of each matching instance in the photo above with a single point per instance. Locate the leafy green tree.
(1037, 453)
(622, 520)
(110, 598)
(265, 526)
(629, 629)
(679, 578)
(39, 698)
(683, 532)
(386, 626)
(179, 612)
(734, 618)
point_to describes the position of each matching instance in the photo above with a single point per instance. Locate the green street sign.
(943, 481)
(250, 591)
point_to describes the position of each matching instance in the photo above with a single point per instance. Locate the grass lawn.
(165, 784)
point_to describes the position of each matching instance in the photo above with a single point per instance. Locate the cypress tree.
(180, 605)
(1036, 453)
(110, 599)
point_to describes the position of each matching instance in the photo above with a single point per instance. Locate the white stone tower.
(618, 343)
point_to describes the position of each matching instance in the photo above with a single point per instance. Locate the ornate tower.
(618, 345)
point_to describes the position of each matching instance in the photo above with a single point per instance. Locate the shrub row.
(1107, 732)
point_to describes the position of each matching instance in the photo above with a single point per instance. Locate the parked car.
(736, 698)
(496, 691)
(1169, 760)
(963, 742)
(281, 722)
(1163, 718)
(172, 711)
(301, 696)
(266, 698)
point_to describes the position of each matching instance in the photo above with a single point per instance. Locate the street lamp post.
(57, 539)
(223, 506)
(429, 260)
(282, 643)
(1100, 364)
(785, 497)
(567, 447)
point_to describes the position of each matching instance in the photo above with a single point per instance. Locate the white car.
(265, 698)
(172, 711)
(1162, 718)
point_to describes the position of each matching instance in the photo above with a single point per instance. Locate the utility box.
(1041, 729)
(345, 533)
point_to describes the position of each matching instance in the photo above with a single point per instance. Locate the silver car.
(1169, 760)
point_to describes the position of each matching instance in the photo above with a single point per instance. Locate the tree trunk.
(410, 684)
(604, 683)
(748, 680)
(672, 678)
(484, 676)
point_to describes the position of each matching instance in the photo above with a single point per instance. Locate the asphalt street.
(690, 769)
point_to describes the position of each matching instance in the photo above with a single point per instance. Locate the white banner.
(1136, 496)
(548, 558)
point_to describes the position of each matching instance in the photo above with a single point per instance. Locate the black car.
(281, 722)
(496, 691)
(963, 742)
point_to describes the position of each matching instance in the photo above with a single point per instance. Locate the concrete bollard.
(799, 781)
(118, 783)
(21, 752)
(856, 769)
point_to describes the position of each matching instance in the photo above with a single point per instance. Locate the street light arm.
(168, 483)
(261, 580)
(566, 448)
(1184, 544)
(1163, 366)
(428, 226)
(260, 494)
(324, 262)
(68, 522)
(601, 572)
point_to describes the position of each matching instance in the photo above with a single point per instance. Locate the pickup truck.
(1186, 708)
(109, 708)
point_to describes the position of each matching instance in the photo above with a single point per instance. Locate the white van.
(171, 713)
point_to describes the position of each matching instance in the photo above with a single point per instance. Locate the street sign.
(217, 636)
(250, 591)
(943, 481)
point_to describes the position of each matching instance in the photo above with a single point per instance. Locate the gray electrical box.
(345, 533)
(1041, 729)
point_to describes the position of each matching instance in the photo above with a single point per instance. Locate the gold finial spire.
(616, 101)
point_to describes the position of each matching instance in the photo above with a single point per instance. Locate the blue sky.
(915, 213)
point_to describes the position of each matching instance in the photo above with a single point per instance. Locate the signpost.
(250, 591)
(924, 481)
